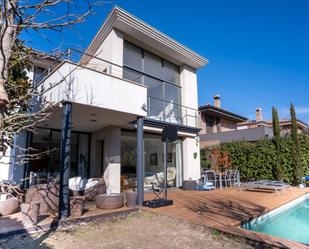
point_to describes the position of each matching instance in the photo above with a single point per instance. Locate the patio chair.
(228, 178)
(235, 178)
(210, 176)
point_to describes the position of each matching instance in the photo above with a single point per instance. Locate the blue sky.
(258, 50)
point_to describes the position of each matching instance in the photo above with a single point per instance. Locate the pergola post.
(64, 195)
(140, 161)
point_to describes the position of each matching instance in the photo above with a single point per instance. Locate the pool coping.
(271, 213)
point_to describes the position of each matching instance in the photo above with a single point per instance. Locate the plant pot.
(30, 213)
(77, 206)
(131, 198)
(112, 201)
(9, 206)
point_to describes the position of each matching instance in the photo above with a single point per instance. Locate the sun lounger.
(265, 184)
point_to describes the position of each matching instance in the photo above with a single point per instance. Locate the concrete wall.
(110, 50)
(251, 134)
(227, 125)
(191, 149)
(202, 123)
(97, 89)
(5, 159)
(112, 148)
(191, 159)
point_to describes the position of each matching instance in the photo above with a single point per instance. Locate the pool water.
(290, 222)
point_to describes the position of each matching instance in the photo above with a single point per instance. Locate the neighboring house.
(131, 82)
(284, 124)
(246, 130)
(216, 122)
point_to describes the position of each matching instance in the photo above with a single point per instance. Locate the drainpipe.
(140, 161)
(64, 195)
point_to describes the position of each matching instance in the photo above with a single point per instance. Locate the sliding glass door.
(153, 160)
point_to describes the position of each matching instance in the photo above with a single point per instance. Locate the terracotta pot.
(131, 198)
(30, 213)
(9, 206)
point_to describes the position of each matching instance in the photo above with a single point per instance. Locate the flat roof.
(127, 23)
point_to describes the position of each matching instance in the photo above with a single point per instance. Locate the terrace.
(224, 210)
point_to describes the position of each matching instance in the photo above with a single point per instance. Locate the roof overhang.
(130, 25)
(215, 111)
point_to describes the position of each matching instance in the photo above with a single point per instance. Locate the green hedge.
(257, 160)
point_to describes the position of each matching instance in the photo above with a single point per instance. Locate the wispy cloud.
(302, 110)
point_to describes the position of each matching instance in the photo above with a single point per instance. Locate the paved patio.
(226, 209)
(13, 224)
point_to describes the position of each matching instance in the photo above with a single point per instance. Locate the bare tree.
(26, 15)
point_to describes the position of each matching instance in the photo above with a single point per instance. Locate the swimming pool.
(290, 221)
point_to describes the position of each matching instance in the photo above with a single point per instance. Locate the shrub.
(257, 160)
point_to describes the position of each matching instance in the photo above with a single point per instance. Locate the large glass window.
(48, 142)
(162, 79)
(132, 56)
(153, 65)
(171, 73)
(172, 109)
(153, 161)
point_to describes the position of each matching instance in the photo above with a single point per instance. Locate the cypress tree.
(277, 169)
(296, 164)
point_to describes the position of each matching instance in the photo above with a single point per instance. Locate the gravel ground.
(138, 230)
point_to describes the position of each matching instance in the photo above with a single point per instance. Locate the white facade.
(96, 87)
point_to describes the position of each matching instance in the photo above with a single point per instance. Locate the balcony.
(170, 112)
(96, 82)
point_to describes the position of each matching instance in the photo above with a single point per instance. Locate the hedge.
(257, 160)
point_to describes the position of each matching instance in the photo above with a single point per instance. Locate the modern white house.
(111, 104)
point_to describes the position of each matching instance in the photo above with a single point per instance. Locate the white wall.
(5, 164)
(97, 89)
(111, 50)
(191, 159)
(112, 148)
(189, 97)
(11, 166)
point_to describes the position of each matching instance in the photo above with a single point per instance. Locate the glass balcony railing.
(170, 112)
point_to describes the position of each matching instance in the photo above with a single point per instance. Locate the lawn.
(138, 230)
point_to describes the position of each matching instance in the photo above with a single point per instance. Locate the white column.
(191, 146)
(191, 159)
(112, 148)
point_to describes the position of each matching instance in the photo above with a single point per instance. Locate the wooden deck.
(226, 209)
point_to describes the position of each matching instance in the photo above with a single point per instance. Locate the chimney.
(217, 102)
(258, 114)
